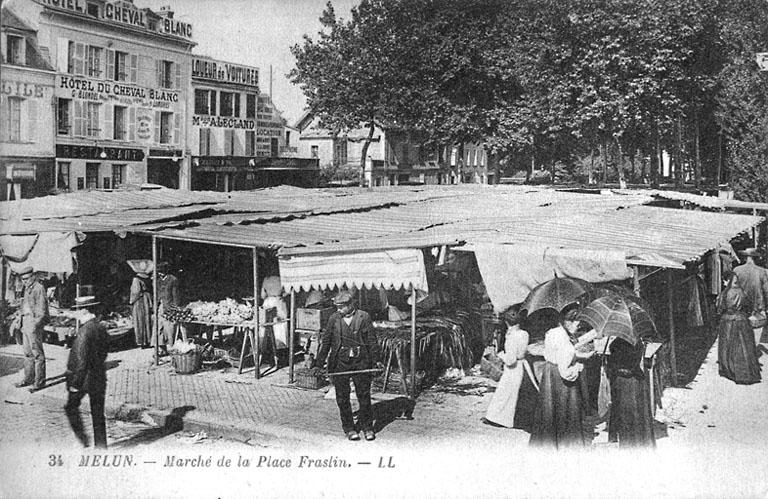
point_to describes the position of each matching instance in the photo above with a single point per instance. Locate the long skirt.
(736, 351)
(558, 416)
(142, 325)
(631, 422)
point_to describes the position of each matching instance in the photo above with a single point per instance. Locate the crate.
(306, 379)
(313, 319)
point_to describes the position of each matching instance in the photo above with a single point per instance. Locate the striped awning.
(393, 269)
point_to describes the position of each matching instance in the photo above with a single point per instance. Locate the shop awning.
(44, 252)
(511, 271)
(392, 269)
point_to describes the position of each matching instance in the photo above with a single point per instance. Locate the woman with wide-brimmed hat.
(141, 302)
(736, 350)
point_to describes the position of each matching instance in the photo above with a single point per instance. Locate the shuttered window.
(93, 121)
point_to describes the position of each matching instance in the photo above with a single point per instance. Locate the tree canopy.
(554, 79)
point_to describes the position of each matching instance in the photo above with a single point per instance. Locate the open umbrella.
(556, 294)
(623, 317)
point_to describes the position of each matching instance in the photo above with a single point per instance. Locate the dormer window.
(14, 50)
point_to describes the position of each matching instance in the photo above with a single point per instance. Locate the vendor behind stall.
(167, 296)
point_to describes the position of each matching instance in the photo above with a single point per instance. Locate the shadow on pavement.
(389, 410)
(173, 422)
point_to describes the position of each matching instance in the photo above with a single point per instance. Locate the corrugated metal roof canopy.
(649, 235)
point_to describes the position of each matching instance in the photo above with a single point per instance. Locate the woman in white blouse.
(558, 417)
(501, 411)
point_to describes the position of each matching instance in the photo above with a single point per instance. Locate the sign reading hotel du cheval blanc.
(84, 88)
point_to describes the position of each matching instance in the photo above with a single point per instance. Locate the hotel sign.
(225, 72)
(124, 13)
(123, 93)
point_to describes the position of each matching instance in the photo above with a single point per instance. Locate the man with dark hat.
(34, 314)
(349, 343)
(86, 373)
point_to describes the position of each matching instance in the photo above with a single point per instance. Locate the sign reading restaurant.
(224, 72)
(124, 13)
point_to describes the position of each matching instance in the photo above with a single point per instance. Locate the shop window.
(250, 105)
(205, 141)
(120, 129)
(227, 104)
(92, 175)
(62, 177)
(12, 119)
(274, 147)
(250, 143)
(166, 129)
(314, 152)
(14, 50)
(165, 74)
(93, 113)
(121, 66)
(64, 117)
(80, 183)
(118, 174)
(94, 61)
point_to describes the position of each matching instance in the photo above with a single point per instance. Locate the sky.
(255, 33)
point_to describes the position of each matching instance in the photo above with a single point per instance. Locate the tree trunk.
(364, 154)
(533, 159)
(620, 166)
(604, 153)
(719, 173)
(658, 168)
(590, 175)
(679, 179)
(697, 159)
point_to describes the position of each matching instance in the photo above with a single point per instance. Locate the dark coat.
(362, 334)
(85, 368)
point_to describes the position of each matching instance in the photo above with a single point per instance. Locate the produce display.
(227, 311)
(178, 314)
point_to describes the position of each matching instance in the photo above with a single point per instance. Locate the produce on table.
(227, 311)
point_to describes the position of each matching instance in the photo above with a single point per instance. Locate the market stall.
(391, 270)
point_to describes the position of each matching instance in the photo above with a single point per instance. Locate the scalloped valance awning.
(392, 269)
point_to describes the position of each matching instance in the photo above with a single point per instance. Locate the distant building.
(393, 157)
(26, 93)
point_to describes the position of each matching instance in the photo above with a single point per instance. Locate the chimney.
(165, 12)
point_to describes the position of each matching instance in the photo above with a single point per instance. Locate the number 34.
(55, 460)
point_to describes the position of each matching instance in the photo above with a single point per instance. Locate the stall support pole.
(156, 321)
(292, 336)
(2, 298)
(256, 342)
(413, 342)
(672, 353)
(636, 281)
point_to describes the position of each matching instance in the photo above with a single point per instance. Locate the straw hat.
(85, 302)
(26, 271)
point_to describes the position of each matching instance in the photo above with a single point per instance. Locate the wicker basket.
(186, 363)
(306, 379)
(492, 366)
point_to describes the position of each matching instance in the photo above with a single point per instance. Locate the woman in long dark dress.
(736, 351)
(558, 415)
(631, 421)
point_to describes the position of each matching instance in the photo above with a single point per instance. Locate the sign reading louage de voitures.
(225, 72)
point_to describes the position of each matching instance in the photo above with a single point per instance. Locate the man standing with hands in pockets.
(349, 344)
